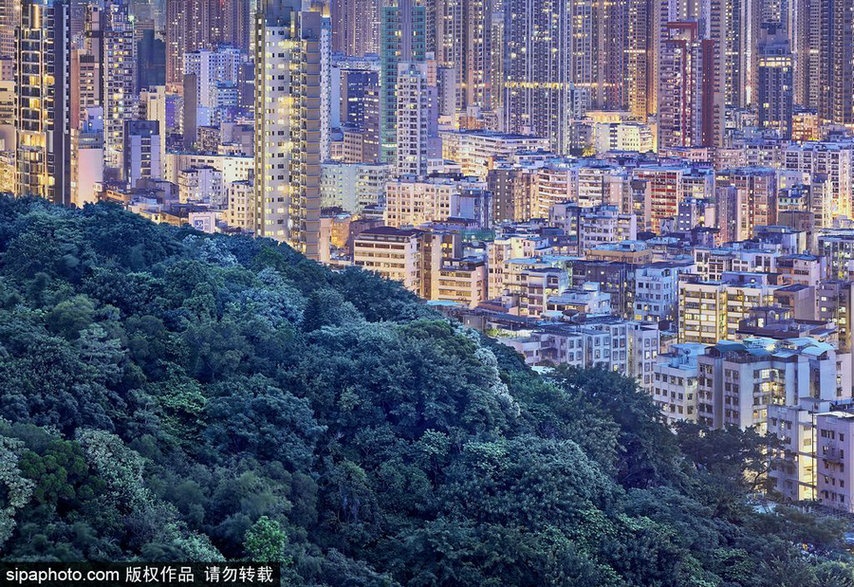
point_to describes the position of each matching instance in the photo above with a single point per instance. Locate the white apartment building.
(392, 253)
(589, 299)
(710, 311)
(353, 186)
(460, 280)
(211, 68)
(675, 379)
(232, 167)
(833, 159)
(604, 224)
(502, 250)
(416, 118)
(529, 283)
(201, 185)
(610, 343)
(622, 136)
(477, 151)
(792, 470)
(656, 286)
(600, 184)
(740, 380)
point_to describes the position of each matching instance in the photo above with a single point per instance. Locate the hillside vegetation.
(171, 396)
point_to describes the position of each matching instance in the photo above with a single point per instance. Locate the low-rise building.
(608, 342)
(241, 206)
(834, 437)
(675, 378)
(738, 381)
(413, 202)
(589, 299)
(460, 280)
(657, 290)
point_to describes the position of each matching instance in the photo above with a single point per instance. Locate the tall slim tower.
(541, 97)
(356, 26)
(10, 16)
(42, 122)
(416, 118)
(464, 44)
(236, 24)
(803, 28)
(740, 26)
(190, 25)
(688, 112)
(288, 60)
(836, 70)
(640, 57)
(775, 81)
(120, 96)
(87, 67)
(403, 39)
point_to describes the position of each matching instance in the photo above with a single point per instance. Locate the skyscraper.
(355, 26)
(360, 109)
(403, 39)
(142, 156)
(151, 61)
(87, 67)
(463, 43)
(775, 82)
(416, 118)
(741, 19)
(640, 54)
(236, 24)
(190, 25)
(120, 97)
(836, 70)
(43, 130)
(288, 58)
(540, 98)
(10, 16)
(687, 113)
(803, 28)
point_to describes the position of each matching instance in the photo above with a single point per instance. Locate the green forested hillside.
(168, 395)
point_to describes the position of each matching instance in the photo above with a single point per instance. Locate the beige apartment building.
(426, 263)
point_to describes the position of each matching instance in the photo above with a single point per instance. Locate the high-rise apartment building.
(463, 43)
(87, 67)
(142, 156)
(541, 97)
(151, 60)
(42, 118)
(775, 79)
(689, 110)
(416, 118)
(756, 189)
(739, 28)
(190, 25)
(10, 16)
(403, 40)
(288, 66)
(356, 26)
(212, 68)
(640, 58)
(120, 96)
(803, 29)
(236, 23)
(835, 61)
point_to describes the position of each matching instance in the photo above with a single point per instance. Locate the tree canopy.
(172, 396)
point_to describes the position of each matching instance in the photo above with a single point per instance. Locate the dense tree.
(168, 395)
